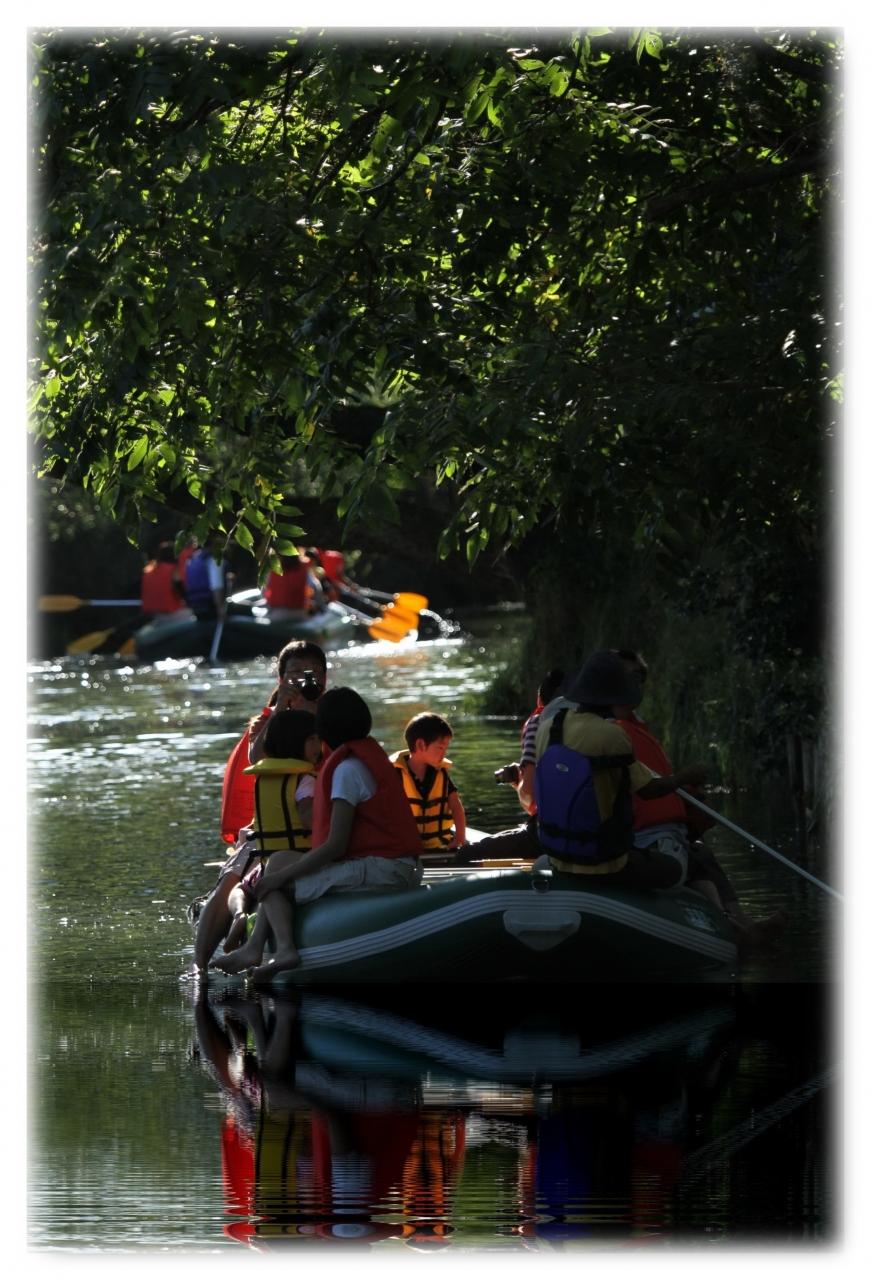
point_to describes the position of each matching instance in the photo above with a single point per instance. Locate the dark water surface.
(537, 1120)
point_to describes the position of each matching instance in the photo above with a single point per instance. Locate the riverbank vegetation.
(581, 286)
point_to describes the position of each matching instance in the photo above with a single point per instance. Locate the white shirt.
(353, 782)
(306, 788)
(216, 574)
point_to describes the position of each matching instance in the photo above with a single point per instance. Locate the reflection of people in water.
(305, 1157)
(608, 1157)
(430, 1176)
(319, 1153)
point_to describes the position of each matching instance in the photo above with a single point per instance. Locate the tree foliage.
(587, 275)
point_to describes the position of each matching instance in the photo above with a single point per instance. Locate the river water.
(167, 1117)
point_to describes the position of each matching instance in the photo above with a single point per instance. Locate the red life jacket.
(183, 556)
(157, 590)
(333, 565)
(288, 590)
(383, 826)
(649, 750)
(650, 813)
(237, 792)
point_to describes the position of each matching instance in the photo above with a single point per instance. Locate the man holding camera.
(302, 680)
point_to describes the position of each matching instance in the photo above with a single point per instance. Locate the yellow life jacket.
(431, 813)
(276, 816)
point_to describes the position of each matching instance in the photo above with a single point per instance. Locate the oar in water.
(718, 817)
(66, 604)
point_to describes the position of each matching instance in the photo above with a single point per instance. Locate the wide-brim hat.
(604, 681)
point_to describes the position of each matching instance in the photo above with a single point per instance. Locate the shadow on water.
(468, 1118)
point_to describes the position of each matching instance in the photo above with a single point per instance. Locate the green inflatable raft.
(511, 925)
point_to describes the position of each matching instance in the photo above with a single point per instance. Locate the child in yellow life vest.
(283, 799)
(423, 768)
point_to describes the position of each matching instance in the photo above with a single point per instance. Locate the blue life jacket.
(197, 591)
(569, 822)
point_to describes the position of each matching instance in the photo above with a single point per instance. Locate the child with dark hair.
(363, 834)
(283, 800)
(423, 768)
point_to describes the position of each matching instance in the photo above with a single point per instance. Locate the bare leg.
(214, 921)
(237, 931)
(278, 909)
(239, 904)
(707, 889)
(249, 954)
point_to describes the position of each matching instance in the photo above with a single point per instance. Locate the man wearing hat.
(586, 774)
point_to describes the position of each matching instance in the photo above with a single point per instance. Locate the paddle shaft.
(216, 642)
(66, 604)
(718, 817)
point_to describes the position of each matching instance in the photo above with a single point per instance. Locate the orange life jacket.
(383, 825)
(157, 588)
(432, 815)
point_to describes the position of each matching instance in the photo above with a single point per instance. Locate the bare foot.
(236, 933)
(236, 961)
(280, 963)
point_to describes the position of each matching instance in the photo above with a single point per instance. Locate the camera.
(509, 773)
(308, 684)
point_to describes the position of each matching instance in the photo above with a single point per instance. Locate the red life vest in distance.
(333, 565)
(156, 587)
(237, 792)
(383, 826)
(649, 750)
(288, 590)
(183, 556)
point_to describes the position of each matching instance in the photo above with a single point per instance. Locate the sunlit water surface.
(164, 1116)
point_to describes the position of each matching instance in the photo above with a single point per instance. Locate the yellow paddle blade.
(393, 629)
(93, 640)
(378, 632)
(128, 648)
(399, 619)
(406, 617)
(60, 604)
(409, 600)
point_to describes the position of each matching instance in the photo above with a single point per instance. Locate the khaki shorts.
(240, 858)
(359, 873)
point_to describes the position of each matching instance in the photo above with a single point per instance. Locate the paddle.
(399, 617)
(393, 625)
(93, 640)
(718, 817)
(216, 642)
(66, 604)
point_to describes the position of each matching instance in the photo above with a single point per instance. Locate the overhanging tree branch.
(717, 188)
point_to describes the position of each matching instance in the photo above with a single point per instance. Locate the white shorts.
(669, 840)
(359, 873)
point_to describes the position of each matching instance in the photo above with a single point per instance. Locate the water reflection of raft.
(508, 926)
(530, 1047)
